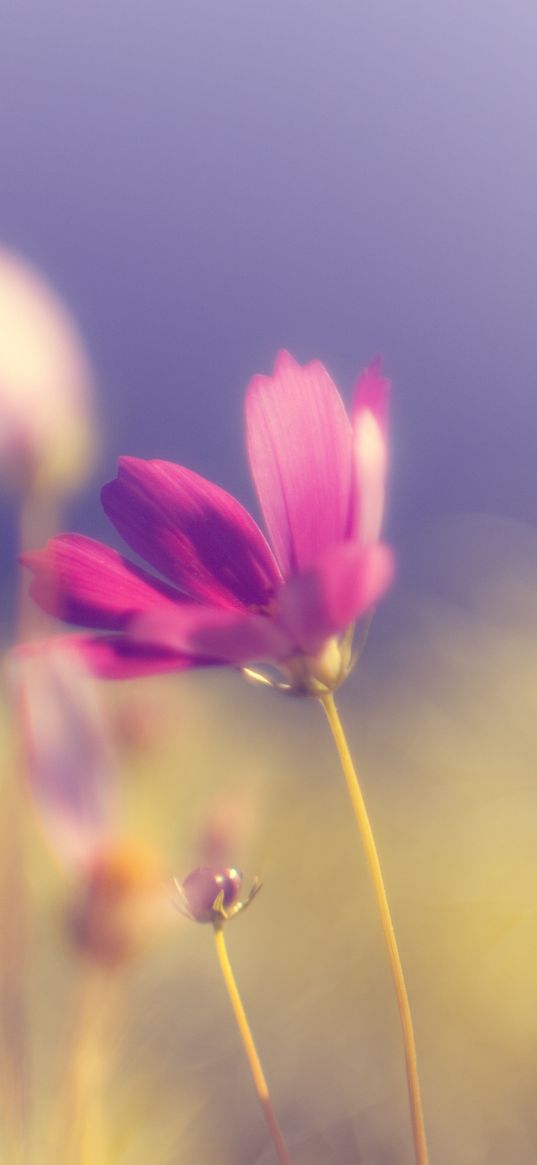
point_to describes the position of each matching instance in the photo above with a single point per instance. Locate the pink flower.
(230, 599)
(71, 768)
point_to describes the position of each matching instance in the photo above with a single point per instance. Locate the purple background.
(207, 181)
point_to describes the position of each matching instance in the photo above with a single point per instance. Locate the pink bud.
(204, 886)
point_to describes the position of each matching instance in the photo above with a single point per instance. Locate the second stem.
(254, 1062)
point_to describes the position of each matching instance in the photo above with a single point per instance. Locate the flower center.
(315, 675)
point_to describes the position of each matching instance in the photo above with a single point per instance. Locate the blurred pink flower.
(69, 759)
(72, 773)
(230, 598)
(227, 828)
(46, 428)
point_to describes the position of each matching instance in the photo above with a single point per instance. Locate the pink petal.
(69, 758)
(216, 635)
(370, 426)
(120, 657)
(84, 582)
(300, 448)
(191, 531)
(115, 657)
(327, 598)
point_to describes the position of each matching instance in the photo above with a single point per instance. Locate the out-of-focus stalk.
(85, 1142)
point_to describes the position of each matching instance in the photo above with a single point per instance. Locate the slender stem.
(373, 861)
(86, 1139)
(247, 1038)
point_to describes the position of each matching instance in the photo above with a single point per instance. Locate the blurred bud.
(46, 424)
(209, 893)
(122, 905)
(121, 900)
(227, 828)
(70, 763)
(144, 719)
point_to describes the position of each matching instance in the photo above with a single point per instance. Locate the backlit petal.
(327, 598)
(84, 582)
(120, 657)
(370, 425)
(300, 445)
(116, 656)
(191, 531)
(225, 636)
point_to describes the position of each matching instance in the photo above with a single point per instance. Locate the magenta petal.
(221, 636)
(326, 599)
(119, 657)
(191, 531)
(84, 582)
(370, 452)
(114, 657)
(300, 447)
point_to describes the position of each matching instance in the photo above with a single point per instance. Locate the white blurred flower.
(47, 431)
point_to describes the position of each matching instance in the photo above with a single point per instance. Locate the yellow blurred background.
(441, 718)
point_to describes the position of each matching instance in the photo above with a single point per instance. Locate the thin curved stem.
(79, 1127)
(373, 861)
(247, 1038)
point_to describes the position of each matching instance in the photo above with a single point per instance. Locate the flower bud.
(205, 888)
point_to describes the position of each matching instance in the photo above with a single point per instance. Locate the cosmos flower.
(46, 425)
(222, 595)
(72, 775)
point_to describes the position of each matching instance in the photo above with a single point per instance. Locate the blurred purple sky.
(207, 181)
